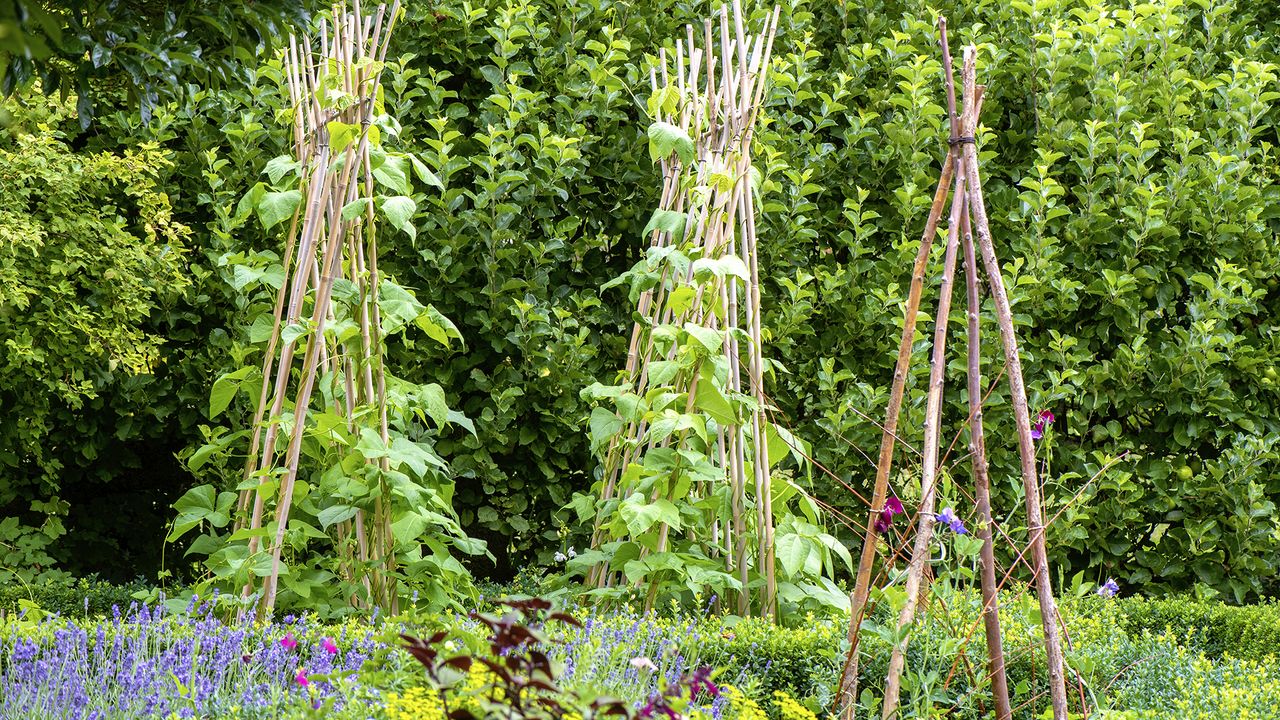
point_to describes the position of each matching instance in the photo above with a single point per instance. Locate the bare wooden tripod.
(967, 214)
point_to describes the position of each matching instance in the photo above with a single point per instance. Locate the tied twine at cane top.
(958, 140)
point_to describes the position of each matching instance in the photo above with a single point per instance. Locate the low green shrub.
(804, 661)
(1249, 632)
(76, 597)
(1171, 679)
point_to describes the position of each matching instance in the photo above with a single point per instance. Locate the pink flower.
(287, 642)
(301, 678)
(643, 663)
(329, 646)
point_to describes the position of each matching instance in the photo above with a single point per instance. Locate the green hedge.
(1129, 156)
(1138, 654)
(70, 598)
(1249, 632)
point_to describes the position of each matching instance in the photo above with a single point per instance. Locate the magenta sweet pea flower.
(892, 506)
(329, 646)
(287, 642)
(883, 522)
(301, 678)
(1043, 420)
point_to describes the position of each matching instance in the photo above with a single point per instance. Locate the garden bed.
(1137, 659)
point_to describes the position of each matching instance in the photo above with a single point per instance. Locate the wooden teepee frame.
(968, 214)
(324, 245)
(721, 84)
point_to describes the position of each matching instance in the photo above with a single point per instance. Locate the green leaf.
(261, 328)
(393, 174)
(424, 173)
(399, 307)
(355, 208)
(668, 221)
(665, 138)
(197, 500)
(709, 399)
(706, 337)
(681, 299)
(968, 545)
(782, 442)
(638, 570)
(276, 207)
(604, 425)
(792, 552)
(225, 388)
(437, 327)
(640, 515)
(834, 545)
(434, 404)
(335, 514)
(729, 265)
(293, 332)
(661, 372)
(341, 135)
(278, 167)
(408, 528)
(584, 506)
(399, 211)
(201, 504)
(416, 456)
(250, 201)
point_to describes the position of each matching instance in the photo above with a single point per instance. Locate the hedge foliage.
(1137, 658)
(82, 597)
(1130, 169)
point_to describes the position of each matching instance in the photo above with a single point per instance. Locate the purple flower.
(1043, 420)
(948, 518)
(301, 678)
(287, 642)
(701, 681)
(883, 521)
(329, 646)
(1109, 589)
(892, 506)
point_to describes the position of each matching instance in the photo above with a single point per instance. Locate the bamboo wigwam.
(967, 217)
(716, 83)
(325, 245)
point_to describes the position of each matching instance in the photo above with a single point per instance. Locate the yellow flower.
(415, 704)
(742, 707)
(790, 709)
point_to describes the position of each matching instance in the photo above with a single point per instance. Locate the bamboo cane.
(720, 85)
(348, 250)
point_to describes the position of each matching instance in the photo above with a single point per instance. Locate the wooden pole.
(978, 457)
(848, 686)
(1021, 412)
(932, 435)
